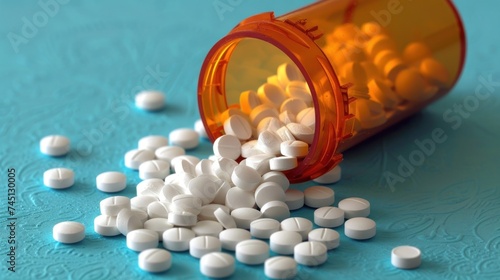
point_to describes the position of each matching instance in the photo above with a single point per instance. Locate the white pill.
(252, 251)
(276, 210)
(301, 132)
(223, 168)
(202, 245)
(199, 127)
(59, 178)
(300, 225)
(410, 85)
(111, 182)
(283, 163)
(54, 145)
(221, 194)
(329, 217)
(293, 106)
(269, 123)
(307, 117)
(435, 72)
(142, 202)
(269, 142)
(238, 126)
(150, 187)
(168, 191)
(294, 148)
(246, 178)
(152, 142)
(231, 237)
(177, 239)
(261, 112)
(319, 196)
(285, 134)
(238, 198)
(248, 101)
(111, 206)
(264, 227)
(227, 146)
(143, 215)
(217, 265)
(294, 199)
(259, 163)
(249, 149)
(406, 257)
(150, 100)
(182, 219)
(208, 212)
(142, 239)
(192, 159)
(154, 169)
(329, 237)
(232, 112)
(278, 178)
(204, 188)
(159, 225)
(209, 228)
(155, 260)
(244, 216)
(283, 242)
(300, 90)
(134, 158)
(355, 207)
(224, 218)
(360, 228)
(286, 117)
(271, 94)
(106, 225)
(274, 80)
(158, 209)
(268, 191)
(68, 232)
(127, 221)
(204, 167)
(280, 267)
(187, 202)
(185, 138)
(288, 72)
(167, 153)
(310, 253)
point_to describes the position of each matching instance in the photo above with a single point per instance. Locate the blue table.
(74, 68)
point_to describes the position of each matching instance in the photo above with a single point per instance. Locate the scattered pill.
(310, 253)
(252, 251)
(155, 260)
(294, 199)
(217, 265)
(360, 228)
(327, 236)
(182, 219)
(329, 217)
(160, 225)
(158, 209)
(152, 142)
(150, 187)
(406, 257)
(283, 163)
(142, 202)
(248, 101)
(111, 181)
(244, 216)
(199, 127)
(134, 158)
(111, 206)
(229, 238)
(54, 145)
(177, 239)
(167, 153)
(154, 169)
(280, 267)
(268, 191)
(202, 245)
(106, 225)
(185, 138)
(224, 218)
(208, 211)
(294, 148)
(150, 100)
(275, 209)
(238, 126)
(297, 224)
(246, 178)
(68, 232)
(264, 227)
(318, 196)
(227, 146)
(330, 177)
(269, 142)
(207, 228)
(288, 72)
(128, 221)
(59, 178)
(283, 242)
(355, 207)
(142, 239)
(203, 187)
(237, 198)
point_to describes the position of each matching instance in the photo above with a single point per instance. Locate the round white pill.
(294, 148)
(155, 260)
(300, 90)
(355, 207)
(238, 126)
(252, 251)
(202, 245)
(177, 239)
(54, 145)
(269, 123)
(300, 225)
(294, 199)
(277, 210)
(111, 181)
(143, 215)
(111, 206)
(134, 158)
(158, 209)
(230, 237)
(59, 178)
(238, 198)
(142, 202)
(261, 112)
(68, 232)
(327, 236)
(268, 191)
(182, 219)
(204, 187)
(224, 218)
(192, 159)
(150, 100)
(199, 127)
(150, 187)
(244, 216)
(259, 162)
(106, 225)
(185, 138)
(204, 167)
(271, 94)
(160, 225)
(187, 202)
(360, 228)
(209, 228)
(301, 132)
(167, 153)
(127, 221)
(319, 196)
(283, 163)
(329, 217)
(154, 169)
(280, 267)
(142, 239)
(283, 242)
(310, 253)
(288, 72)
(208, 212)
(269, 142)
(227, 146)
(263, 228)
(330, 177)
(278, 178)
(217, 265)
(152, 142)
(246, 178)
(406, 257)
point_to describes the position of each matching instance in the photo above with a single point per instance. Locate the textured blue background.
(78, 72)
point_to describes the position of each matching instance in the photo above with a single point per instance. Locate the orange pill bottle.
(367, 64)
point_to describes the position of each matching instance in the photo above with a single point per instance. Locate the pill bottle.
(367, 64)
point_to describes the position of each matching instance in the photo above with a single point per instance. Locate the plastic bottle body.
(367, 65)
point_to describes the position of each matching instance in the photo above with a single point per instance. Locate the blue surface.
(78, 72)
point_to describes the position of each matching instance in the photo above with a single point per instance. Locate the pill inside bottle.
(330, 74)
